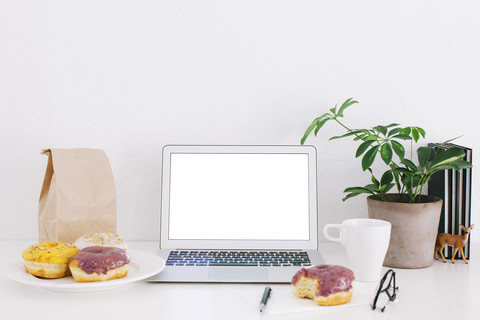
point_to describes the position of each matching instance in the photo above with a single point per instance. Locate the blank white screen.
(239, 196)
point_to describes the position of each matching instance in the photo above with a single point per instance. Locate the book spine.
(468, 199)
(454, 187)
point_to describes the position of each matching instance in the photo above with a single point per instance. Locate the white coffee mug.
(366, 243)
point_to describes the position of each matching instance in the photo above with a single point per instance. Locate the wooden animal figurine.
(455, 241)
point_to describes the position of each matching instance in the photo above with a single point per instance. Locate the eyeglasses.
(390, 288)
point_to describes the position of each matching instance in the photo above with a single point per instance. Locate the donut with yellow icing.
(49, 259)
(327, 285)
(107, 239)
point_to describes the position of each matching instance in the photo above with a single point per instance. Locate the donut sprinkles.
(107, 239)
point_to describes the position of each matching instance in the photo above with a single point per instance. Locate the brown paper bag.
(78, 196)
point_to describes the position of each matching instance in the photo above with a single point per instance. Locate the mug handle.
(333, 226)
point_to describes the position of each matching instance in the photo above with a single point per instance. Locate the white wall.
(132, 76)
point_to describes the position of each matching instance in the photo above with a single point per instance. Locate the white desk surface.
(443, 291)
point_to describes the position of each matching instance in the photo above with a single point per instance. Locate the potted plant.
(414, 216)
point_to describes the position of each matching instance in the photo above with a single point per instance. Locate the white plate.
(142, 266)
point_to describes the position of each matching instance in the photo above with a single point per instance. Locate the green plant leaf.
(320, 120)
(406, 131)
(406, 181)
(320, 125)
(334, 110)
(392, 125)
(456, 165)
(387, 178)
(402, 136)
(387, 187)
(415, 134)
(410, 165)
(448, 156)
(360, 137)
(358, 190)
(350, 195)
(462, 164)
(369, 157)
(345, 105)
(386, 153)
(398, 148)
(403, 171)
(396, 175)
(423, 154)
(363, 147)
(421, 131)
(450, 140)
(394, 131)
(374, 189)
(307, 132)
(376, 183)
(371, 137)
(351, 133)
(382, 129)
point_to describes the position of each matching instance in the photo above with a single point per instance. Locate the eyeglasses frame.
(391, 297)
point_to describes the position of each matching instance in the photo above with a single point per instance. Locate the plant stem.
(335, 118)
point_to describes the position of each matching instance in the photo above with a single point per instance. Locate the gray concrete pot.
(414, 229)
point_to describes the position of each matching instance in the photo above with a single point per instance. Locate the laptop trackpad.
(237, 273)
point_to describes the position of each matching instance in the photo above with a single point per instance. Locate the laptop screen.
(239, 196)
(259, 195)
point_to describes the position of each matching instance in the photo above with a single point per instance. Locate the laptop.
(238, 213)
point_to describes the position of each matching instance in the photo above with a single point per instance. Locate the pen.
(266, 295)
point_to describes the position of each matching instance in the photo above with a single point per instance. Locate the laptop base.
(230, 274)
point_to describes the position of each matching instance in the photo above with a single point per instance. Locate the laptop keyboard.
(238, 258)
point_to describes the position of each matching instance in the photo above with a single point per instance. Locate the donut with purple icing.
(99, 264)
(327, 285)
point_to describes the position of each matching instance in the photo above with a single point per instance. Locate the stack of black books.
(455, 188)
